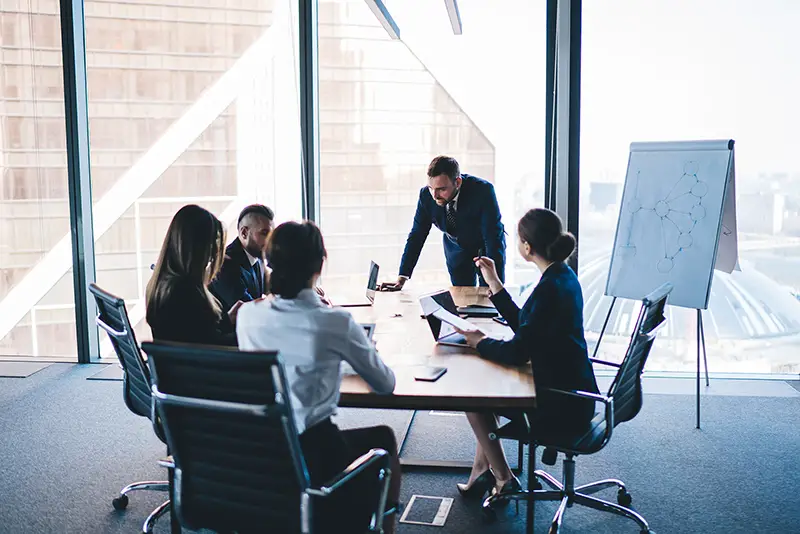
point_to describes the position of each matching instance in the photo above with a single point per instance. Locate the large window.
(37, 318)
(188, 103)
(387, 107)
(677, 70)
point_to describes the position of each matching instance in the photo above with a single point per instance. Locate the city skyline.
(651, 70)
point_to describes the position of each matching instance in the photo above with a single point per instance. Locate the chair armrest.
(607, 401)
(583, 395)
(374, 458)
(604, 362)
(365, 461)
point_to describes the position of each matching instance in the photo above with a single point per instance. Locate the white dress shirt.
(313, 340)
(253, 260)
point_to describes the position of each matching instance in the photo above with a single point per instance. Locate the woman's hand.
(234, 311)
(473, 336)
(489, 272)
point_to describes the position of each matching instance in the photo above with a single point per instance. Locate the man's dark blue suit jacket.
(235, 280)
(478, 227)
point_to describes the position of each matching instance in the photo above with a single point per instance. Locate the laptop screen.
(430, 303)
(372, 281)
(445, 300)
(369, 329)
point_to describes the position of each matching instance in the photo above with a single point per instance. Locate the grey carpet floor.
(68, 445)
(20, 369)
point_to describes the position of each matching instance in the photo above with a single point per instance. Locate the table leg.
(174, 524)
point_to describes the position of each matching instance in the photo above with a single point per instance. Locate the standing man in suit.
(465, 209)
(243, 273)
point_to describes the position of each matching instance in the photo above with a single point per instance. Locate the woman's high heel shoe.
(511, 486)
(479, 487)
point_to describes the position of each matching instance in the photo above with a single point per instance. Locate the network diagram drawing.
(679, 212)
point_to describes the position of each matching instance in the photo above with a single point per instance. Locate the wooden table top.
(405, 343)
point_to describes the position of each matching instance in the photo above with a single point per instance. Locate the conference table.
(405, 342)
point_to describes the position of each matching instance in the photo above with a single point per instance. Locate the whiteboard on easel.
(677, 221)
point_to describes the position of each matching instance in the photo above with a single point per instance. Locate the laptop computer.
(443, 333)
(369, 329)
(372, 288)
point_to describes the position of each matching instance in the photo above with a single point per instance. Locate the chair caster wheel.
(120, 503)
(624, 498)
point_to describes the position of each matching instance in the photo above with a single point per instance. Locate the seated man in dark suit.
(465, 209)
(243, 274)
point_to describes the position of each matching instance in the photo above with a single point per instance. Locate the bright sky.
(652, 70)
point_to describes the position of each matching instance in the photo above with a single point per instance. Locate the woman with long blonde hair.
(179, 305)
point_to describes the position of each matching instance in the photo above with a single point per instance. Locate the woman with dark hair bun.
(314, 340)
(548, 333)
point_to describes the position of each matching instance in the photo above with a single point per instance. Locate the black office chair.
(622, 403)
(113, 318)
(238, 463)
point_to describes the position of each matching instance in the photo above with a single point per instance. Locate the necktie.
(259, 279)
(450, 223)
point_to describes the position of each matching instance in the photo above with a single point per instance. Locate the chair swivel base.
(150, 522)
(580, 495)
(121, 502)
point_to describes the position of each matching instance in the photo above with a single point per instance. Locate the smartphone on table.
(429, 374)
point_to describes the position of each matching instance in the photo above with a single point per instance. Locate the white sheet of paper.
(454, 320)
(428, 305)
(676, 221)
(728, 248)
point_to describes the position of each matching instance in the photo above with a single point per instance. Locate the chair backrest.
(229, 427)
(626, 389)
(113, 318)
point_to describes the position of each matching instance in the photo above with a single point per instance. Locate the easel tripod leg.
(605, 324)
(699, 327)
(703, 340)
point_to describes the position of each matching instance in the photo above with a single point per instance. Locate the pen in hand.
(478, 263)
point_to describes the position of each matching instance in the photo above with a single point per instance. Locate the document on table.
(447, 317)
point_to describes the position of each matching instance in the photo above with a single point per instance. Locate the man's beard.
(454, 195)
(255, 251)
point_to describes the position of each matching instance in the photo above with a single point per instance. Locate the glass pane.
(387, 107)
(681, 70)
(188, 103)
(37, 304)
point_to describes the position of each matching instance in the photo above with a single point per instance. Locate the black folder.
(477, 310)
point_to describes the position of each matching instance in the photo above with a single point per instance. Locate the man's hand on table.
(393, 286)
